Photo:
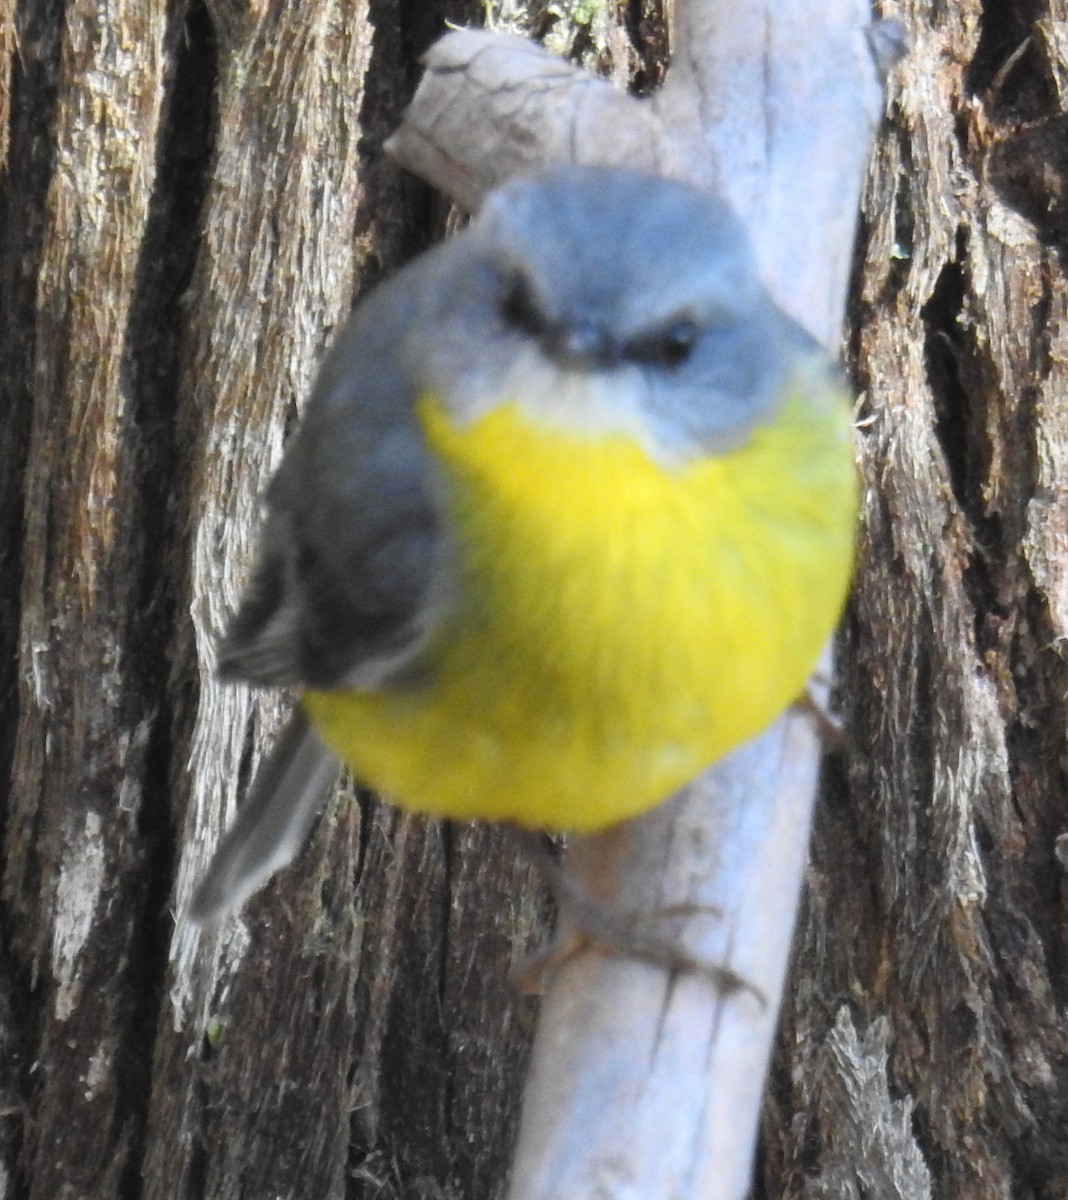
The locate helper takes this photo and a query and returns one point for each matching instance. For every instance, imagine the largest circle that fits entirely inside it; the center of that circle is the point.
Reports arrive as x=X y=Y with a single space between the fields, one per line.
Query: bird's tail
x=272 y=824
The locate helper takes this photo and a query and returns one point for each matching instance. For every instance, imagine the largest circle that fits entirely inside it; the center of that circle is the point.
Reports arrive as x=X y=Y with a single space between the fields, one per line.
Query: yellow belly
x=622 y=625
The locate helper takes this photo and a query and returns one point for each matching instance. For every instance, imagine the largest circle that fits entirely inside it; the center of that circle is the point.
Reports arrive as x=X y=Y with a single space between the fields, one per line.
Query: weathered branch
x=644 y=1083
x=491 y=106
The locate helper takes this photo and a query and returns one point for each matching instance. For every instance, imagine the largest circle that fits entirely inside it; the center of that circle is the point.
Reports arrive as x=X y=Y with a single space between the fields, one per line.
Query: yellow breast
x=622 y=624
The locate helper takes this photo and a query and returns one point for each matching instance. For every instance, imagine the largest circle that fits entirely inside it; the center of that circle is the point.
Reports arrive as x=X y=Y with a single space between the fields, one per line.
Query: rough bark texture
x=188 y=199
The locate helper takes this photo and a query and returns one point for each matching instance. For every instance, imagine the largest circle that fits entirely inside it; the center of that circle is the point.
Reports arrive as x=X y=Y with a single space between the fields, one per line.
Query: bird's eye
x=519 y=307
x=667 y=347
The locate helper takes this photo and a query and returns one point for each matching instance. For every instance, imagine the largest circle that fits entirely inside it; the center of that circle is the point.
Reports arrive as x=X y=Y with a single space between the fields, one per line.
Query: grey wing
x=346 y=587
x=349 y=572
x=342 y=592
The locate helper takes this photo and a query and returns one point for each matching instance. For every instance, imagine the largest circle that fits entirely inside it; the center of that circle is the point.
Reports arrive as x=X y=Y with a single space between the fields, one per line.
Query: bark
x=188 y=200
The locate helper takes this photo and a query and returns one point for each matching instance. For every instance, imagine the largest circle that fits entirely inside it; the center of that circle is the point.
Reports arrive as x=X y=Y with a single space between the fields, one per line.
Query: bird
x=569 y=515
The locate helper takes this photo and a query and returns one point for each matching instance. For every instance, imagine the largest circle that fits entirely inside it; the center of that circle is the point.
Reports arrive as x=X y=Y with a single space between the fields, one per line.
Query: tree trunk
x=190 y=197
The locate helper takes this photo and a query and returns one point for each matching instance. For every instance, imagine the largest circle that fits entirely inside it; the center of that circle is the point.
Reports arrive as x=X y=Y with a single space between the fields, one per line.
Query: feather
x=272 y=824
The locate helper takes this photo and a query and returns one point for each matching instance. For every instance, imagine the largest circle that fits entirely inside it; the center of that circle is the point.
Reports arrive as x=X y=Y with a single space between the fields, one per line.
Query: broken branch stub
x=492 y=106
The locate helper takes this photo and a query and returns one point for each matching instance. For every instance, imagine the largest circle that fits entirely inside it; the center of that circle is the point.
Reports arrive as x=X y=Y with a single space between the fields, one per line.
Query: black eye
x=519 y=307
x=667 y=347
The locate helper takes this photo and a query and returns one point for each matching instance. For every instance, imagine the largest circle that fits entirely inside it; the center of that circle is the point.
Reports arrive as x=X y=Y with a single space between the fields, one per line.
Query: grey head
x=644 y=284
